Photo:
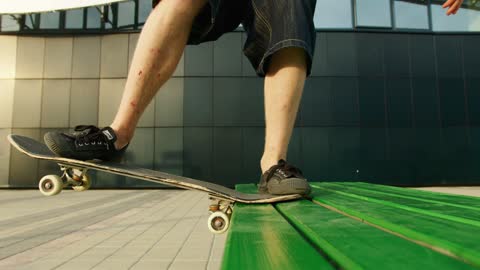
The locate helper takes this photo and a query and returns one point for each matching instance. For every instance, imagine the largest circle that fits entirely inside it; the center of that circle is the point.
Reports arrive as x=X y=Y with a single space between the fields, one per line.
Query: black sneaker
x=283 y=178
x=85 y=143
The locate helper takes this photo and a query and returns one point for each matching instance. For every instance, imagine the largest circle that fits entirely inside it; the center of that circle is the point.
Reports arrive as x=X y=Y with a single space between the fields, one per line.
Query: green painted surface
x=455 y=237
x=356 y=245
x=467 y=202
x=450 y=211
x=260 y=238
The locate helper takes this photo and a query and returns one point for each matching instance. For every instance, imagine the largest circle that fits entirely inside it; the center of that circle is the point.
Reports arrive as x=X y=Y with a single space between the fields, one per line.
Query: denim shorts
x=270 y=25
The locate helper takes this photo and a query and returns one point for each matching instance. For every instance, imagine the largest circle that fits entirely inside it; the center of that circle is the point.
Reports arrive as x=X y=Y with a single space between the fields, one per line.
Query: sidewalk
x=107 y=229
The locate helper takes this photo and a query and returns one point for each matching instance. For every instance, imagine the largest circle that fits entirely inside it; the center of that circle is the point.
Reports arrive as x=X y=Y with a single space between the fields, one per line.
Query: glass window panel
x=411 y=14
x=50 y=20
x=374 y=13
x=109 y=21
x=9 y=23
x=144 y=9
x=93 y=18
x=333 y=14
x=74 y=18
x=126 y=14
x=31 y=20
x=466 y=19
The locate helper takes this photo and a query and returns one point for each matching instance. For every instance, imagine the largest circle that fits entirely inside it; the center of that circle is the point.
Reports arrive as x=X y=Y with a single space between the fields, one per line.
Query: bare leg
x=159 y=48
x=284 y=83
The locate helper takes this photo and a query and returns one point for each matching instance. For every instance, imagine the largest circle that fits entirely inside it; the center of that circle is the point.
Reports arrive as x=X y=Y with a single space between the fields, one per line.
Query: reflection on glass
x=333 y=14
x=412 y=14
x=9 y=23
x=74 y=18
x=30 y=21
x=145 y=6
x=466 y=19
x=50 y=20
x=374 y=13
x=93 y=18
x=126 y=14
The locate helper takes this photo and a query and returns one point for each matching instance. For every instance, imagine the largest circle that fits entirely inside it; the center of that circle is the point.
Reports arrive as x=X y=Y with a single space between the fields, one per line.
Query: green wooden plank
x=459 y=239
x=449 y=211
x=260 y=238
x=351 y=243
x=469 y=201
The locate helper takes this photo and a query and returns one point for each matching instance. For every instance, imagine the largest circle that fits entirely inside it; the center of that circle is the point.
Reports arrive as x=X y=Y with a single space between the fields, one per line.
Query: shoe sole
x=290 y=186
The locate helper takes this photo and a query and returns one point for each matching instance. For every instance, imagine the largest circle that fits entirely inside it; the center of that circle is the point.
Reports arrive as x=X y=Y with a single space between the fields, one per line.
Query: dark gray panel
x=397 y=60
x=344 y=156
x=449 y=56
x=401 y=164
x=295 y=154
x=474 y=156
x=316 y=153
x=253 y=144
x=199 y=60
x=344 y=93
x=198 y=153
x=455 y=163
x=316 y=105
x=473 y=100
x=197 y=102
x=253 y=102
x=428 y=156
x=425 y=102
x=169 y=150
x=341 y=57
x=373 y=162
x=399 y=103
x=422 y=55
x=141 y=152
x=372 y=102
x=227 y=156
x=471 y=55
x=452 y=102
x=370 y=53
x=227 y=55
x=319 y=64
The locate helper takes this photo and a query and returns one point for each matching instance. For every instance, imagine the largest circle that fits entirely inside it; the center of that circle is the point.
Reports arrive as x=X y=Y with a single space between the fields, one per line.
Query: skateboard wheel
x=218 y=222
x=50 y=185
x=86 y=183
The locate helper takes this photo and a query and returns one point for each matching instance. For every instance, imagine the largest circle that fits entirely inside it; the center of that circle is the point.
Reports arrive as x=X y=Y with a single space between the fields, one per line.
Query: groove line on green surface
x=333 y=255
x=404 y=207
x=458 y=252
x=405 y=196
x=418 y=242
x=329 y=252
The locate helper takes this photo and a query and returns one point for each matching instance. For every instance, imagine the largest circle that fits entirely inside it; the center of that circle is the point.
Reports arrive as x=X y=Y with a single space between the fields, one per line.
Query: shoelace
x=285 y=169
x=93 y=137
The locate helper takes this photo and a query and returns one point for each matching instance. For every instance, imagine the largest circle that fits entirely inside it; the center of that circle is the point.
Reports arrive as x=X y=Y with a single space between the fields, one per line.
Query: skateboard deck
x=74 y=174
x=29 y=6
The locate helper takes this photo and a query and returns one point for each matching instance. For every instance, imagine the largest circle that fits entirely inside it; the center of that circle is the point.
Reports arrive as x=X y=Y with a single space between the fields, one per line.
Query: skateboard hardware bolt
x=214 y=207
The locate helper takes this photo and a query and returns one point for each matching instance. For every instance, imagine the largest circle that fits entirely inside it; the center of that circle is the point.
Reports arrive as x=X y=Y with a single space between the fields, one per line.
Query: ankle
x=124 y=136
x=268 y=161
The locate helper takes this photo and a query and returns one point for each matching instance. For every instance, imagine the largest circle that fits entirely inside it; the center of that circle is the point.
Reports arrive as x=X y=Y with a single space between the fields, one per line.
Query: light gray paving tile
x=30 y=57
x=8 y=57
x=55 y=103
x=114 y=56
x=84 y=102
x=149 y=265
x=188 y=265
x=110 y=96
x=86 y=57
x=6 y=102
x=58 y=57
x=214 y=265
x=169 y=104
x=27 y=104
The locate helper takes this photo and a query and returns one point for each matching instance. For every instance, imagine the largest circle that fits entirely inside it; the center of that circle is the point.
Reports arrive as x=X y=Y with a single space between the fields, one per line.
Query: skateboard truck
x=75 y=177
x=221 y=212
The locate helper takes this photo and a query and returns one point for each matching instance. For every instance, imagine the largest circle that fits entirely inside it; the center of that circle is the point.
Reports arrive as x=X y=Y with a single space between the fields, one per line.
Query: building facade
x=394 y=95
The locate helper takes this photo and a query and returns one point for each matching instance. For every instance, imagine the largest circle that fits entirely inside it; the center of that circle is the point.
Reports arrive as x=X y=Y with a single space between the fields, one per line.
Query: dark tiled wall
x=398 y=109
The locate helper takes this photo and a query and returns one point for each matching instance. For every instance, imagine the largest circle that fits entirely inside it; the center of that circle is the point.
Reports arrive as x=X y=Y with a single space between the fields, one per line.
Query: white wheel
x=218 y=222
x=85 y=185
x=50 y=185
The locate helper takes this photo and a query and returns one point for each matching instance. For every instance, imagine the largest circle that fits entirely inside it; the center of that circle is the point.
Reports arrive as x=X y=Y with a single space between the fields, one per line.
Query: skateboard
x=74 y=174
